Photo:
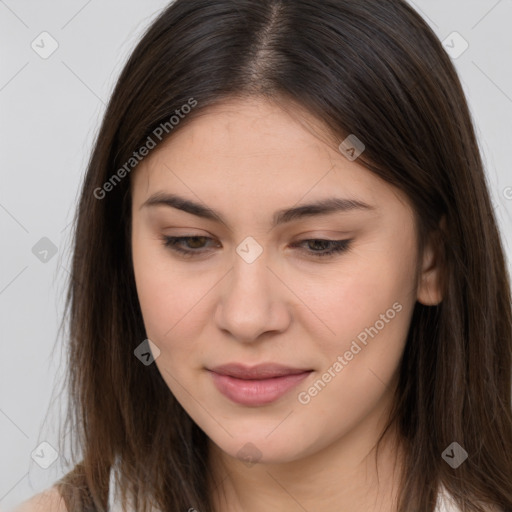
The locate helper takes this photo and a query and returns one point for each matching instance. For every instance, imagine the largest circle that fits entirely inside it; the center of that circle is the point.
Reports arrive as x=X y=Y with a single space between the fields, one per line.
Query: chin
x=256 y=446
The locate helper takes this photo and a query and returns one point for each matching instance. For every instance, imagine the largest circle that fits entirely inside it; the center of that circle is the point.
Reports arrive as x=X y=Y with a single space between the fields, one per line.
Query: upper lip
x=260 y=371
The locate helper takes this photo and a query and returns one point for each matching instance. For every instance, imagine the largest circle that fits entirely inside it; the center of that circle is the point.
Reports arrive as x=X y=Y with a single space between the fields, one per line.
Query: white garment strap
x=112 y=491
x=114 y=494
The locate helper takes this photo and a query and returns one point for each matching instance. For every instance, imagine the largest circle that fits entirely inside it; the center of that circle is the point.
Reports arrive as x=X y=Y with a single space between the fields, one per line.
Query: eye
x=190 y=246
x=330 y=247
x=174 y=243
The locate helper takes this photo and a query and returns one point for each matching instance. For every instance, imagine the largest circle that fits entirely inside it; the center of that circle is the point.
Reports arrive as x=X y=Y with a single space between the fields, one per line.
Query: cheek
x=164 y=309
x=173 y=300
x=370 y=310
x=157 y=285
x=353 y=296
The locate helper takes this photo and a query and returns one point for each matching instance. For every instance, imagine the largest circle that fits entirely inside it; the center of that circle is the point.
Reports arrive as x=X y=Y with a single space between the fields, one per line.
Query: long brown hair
x=374 y=69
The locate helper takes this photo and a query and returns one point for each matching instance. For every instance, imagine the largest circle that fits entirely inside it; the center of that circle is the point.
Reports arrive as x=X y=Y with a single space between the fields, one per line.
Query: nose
x=252 y=301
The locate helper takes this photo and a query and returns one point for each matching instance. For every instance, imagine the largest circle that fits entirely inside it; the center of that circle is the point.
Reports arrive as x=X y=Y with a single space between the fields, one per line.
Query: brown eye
x=193 y=244
x=323 y=248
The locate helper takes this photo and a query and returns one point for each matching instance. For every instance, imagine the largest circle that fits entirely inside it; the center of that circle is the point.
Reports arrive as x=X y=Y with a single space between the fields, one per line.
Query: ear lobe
x=430 y=278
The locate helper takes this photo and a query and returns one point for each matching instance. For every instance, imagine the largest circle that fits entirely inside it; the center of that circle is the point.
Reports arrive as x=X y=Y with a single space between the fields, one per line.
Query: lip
x=256 y=385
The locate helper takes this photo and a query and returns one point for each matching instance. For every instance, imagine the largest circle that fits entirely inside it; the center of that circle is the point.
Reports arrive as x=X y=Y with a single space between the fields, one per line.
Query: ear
x=430 y=276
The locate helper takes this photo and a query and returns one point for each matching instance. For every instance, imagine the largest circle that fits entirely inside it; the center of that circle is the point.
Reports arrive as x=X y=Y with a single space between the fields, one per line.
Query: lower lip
x=256 y=392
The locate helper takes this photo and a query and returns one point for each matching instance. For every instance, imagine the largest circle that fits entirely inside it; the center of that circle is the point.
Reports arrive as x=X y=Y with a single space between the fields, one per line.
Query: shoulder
x=46 y=501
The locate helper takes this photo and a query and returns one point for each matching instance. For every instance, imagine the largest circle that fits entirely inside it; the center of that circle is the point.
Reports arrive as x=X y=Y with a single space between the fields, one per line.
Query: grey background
x=50 y=110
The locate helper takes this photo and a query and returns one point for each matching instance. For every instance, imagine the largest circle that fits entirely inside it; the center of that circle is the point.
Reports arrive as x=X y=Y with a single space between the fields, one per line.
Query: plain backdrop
x=50 y=110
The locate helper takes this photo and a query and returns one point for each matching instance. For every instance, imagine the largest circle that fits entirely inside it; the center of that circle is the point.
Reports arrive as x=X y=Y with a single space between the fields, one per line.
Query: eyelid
x=319 y=234
x=333 y=234
x=337 y=247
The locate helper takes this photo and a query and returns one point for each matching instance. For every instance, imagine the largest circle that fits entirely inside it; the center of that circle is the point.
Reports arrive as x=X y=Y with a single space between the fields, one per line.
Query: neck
x=345 y=476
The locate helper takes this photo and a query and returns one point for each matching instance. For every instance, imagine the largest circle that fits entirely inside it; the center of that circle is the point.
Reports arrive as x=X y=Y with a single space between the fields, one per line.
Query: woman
x=288 y=288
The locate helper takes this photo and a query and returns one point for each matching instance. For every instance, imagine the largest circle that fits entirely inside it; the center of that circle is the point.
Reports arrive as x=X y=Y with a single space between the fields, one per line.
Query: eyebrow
x=321 y=207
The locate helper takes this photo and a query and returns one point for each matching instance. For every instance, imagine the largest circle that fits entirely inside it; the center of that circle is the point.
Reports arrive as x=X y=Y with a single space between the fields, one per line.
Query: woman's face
x=255 y=289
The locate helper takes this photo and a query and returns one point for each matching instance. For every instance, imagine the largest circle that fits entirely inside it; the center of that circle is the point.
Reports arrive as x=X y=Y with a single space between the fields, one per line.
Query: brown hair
x=374 y=69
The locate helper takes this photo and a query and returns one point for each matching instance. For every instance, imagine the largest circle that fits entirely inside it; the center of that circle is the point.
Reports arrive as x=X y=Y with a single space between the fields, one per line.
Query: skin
x=247 y=159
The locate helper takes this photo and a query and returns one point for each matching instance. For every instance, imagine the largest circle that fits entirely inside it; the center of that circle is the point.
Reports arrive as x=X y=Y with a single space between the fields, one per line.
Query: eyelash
x=338 y=246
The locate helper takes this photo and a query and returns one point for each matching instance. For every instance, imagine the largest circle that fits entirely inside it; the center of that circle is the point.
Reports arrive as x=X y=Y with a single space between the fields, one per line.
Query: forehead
x=244 y=151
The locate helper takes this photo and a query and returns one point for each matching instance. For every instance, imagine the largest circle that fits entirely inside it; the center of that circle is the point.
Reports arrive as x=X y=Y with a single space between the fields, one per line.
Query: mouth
x=256 y=385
